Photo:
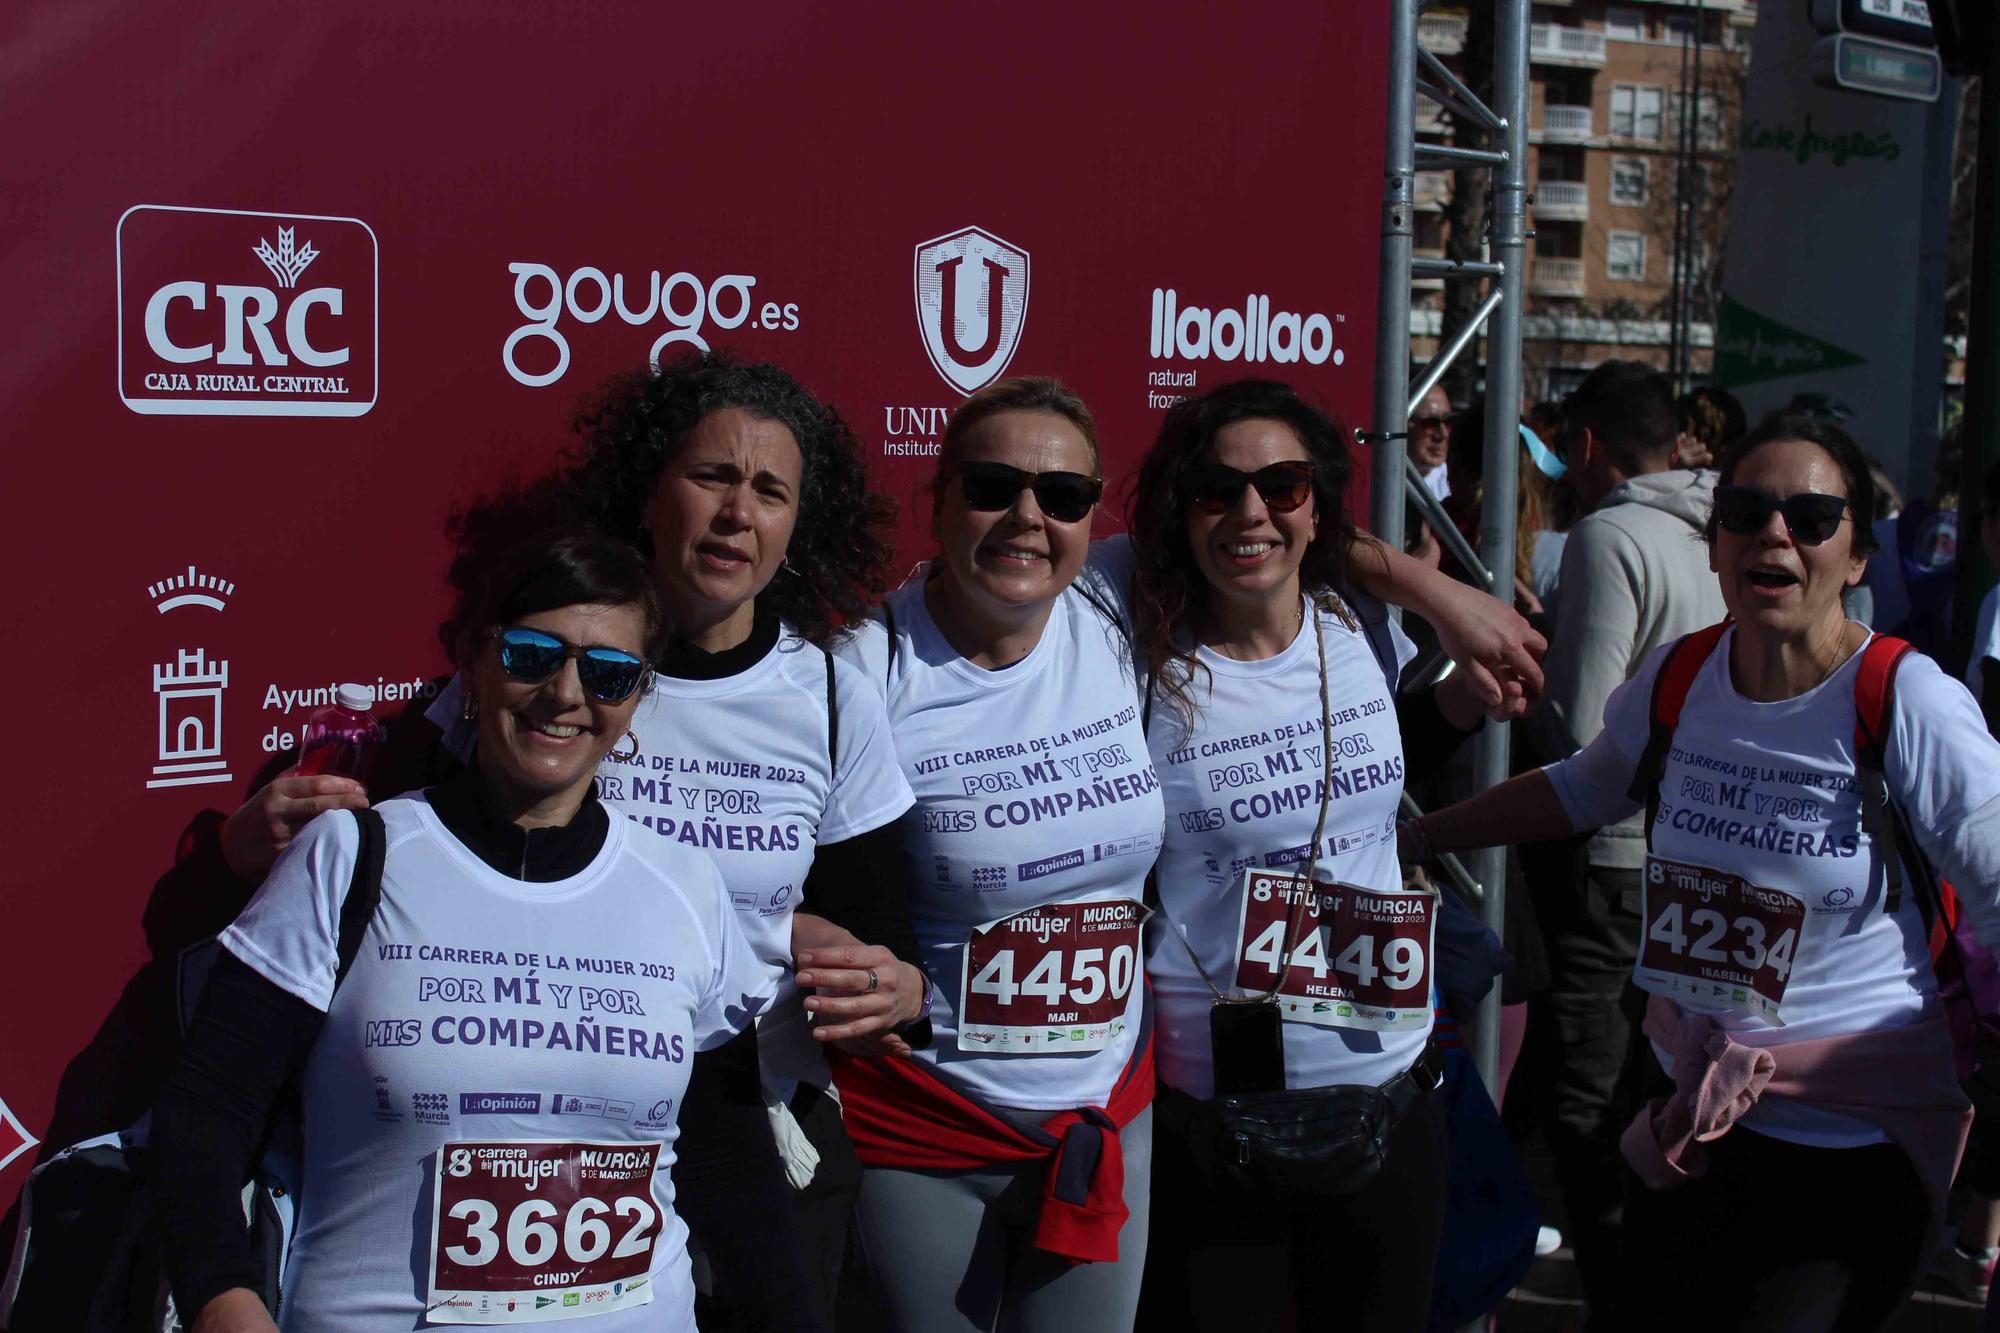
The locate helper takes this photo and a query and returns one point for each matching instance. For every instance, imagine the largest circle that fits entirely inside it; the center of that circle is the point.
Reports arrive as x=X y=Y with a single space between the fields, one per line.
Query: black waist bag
x=1298 y=1143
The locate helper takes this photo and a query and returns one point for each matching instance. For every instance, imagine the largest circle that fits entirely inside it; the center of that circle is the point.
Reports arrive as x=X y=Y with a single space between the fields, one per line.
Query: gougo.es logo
x=687 y=306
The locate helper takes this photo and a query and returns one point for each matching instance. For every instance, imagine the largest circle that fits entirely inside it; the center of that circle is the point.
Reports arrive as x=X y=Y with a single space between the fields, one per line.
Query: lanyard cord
x=1292 y=923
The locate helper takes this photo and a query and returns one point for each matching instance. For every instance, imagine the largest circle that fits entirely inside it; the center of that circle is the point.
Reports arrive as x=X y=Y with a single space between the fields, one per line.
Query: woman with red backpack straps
x=1807 y=783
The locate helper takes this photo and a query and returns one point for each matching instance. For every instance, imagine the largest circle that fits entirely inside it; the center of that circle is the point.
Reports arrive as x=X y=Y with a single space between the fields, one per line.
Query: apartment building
x=1607 y=160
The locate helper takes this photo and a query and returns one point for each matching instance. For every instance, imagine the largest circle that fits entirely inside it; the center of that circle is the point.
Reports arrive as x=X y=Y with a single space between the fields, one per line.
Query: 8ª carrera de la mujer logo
x=972 y=302
x=224 y=313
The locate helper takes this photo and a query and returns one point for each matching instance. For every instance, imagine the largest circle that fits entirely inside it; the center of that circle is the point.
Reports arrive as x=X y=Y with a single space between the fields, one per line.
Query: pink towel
x=1899 y=1079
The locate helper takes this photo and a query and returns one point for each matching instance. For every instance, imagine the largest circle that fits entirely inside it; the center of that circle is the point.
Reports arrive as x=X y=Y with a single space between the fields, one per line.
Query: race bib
x=1716 y=943
x=1050 y=979
x=1360 y=958
x=528 y=1230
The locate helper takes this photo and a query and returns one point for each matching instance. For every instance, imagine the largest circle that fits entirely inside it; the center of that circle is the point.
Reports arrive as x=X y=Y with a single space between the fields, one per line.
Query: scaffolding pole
x=1393 y=479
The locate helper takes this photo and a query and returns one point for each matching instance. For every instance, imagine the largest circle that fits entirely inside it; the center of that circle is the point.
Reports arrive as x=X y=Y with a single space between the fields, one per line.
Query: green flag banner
x=1751 y=348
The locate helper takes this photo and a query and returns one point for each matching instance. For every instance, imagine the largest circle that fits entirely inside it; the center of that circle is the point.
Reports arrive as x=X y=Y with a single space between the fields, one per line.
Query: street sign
x=1906 y=21
x=1887 y=69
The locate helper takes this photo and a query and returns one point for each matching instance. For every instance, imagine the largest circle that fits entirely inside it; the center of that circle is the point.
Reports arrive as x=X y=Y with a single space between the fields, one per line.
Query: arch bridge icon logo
x=972 y=303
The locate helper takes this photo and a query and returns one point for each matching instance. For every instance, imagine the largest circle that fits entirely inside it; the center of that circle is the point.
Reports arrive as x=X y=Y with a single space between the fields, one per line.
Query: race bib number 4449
x=1050 y=979
x=1359 y=958
x=531 y=1230
x=1716 y=943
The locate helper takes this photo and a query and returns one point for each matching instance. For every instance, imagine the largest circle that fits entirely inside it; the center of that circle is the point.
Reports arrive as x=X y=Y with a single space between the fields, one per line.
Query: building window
x=1624 y=25
x=1625 y=256
x=1628 y=181
x=1637 y=112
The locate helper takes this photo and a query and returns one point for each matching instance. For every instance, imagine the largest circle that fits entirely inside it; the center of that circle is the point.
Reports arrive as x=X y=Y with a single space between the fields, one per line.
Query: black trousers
x=1777 y=1236
x=823 y=1211
x=1590 y=1022
x=1360 y=1264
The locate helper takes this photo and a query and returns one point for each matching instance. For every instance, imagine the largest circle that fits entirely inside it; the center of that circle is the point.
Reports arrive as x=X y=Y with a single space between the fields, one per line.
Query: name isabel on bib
x=1715 y=942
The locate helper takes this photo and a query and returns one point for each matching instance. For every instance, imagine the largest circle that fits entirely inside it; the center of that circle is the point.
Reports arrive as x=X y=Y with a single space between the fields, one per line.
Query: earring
x=468 y=711
x=627 y=756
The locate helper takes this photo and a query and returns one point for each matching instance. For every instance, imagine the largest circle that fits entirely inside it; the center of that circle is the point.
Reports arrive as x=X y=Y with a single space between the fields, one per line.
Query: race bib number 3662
x=1360 y=958
x=1716 y=943
x=1050 y=979
x=531 y=1230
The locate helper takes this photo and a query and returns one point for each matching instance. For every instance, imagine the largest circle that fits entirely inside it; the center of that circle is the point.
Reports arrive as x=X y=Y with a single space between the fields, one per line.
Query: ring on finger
x=873 y=981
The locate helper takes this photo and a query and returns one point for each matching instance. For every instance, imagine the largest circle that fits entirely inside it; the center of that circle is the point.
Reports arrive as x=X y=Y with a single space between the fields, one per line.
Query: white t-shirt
x=1767 y=791
x=1985 y=642
x=1033 y=788
x=1243 y=790
x=738 y=768
x=485 y=1008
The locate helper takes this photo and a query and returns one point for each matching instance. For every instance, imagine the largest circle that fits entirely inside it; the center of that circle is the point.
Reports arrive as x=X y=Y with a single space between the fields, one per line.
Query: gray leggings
x=951 y=1251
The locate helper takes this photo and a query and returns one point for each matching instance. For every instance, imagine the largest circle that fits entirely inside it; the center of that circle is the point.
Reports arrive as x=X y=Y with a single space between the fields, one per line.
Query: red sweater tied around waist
x=899 y=1113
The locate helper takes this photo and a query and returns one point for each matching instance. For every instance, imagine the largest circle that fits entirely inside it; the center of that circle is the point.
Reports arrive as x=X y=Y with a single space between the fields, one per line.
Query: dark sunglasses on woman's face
x=532 y=656
x=1066 y=497
x=1283 y=487
x=1810 y=517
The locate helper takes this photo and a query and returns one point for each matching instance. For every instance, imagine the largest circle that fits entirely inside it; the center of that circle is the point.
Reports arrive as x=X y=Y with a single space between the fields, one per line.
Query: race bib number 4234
x=1359 y=958
x=1715 y=942
x=1050 y=979
x=531 y=1230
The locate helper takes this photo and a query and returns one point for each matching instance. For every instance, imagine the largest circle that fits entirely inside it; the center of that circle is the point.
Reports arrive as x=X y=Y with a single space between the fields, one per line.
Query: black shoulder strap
x=832 y=720
x=364 y=891
x=889 y=669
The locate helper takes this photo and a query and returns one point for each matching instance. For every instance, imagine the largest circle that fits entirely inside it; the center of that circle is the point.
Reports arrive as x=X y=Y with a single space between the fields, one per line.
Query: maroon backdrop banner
x=284 y=283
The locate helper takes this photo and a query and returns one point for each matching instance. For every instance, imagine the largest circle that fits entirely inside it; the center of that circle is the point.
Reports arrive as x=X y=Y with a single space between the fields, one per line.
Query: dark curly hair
x=1168 y=587
x=517 y=552
x=838 y=560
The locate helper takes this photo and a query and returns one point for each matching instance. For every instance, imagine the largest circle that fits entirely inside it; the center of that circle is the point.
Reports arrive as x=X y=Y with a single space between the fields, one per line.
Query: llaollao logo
x=972 y=303
x=227 y=313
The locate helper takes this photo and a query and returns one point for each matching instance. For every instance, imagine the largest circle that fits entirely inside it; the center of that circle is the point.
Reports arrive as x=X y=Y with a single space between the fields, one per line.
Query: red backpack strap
x=1875 y=697
x=1670 y=691
x=1874 y=716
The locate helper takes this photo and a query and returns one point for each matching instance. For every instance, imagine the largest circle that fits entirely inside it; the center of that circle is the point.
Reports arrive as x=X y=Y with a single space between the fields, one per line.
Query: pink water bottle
x=340 y=738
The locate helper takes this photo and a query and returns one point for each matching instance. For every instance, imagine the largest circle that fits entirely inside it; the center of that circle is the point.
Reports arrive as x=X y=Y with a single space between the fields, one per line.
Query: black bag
x=85 y=1258
x=1300 y=1143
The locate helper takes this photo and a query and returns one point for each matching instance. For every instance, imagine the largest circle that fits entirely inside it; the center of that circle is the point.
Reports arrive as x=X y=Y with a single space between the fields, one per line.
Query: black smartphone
x=1247 y=1045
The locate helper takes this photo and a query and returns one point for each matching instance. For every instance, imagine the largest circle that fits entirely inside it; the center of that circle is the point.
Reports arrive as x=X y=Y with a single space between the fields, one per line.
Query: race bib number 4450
x=1360 y=958
x=1715 y=942
x=531 y=1230
x=1050 y=979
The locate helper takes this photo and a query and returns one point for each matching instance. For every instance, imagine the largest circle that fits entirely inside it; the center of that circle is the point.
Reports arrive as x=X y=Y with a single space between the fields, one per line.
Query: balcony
x=1566 y=124
x=1553 y=44
x=1556 y=277
x=1562 y=201
x=1430 y=116
x=1430 y=191
x=1441 y=34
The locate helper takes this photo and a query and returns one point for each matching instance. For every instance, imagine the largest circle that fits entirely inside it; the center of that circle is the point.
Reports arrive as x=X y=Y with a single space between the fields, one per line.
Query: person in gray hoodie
x=1635 y=575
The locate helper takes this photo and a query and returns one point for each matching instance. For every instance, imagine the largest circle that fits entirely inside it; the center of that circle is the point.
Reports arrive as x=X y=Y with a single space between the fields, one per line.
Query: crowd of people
x=1043 y=937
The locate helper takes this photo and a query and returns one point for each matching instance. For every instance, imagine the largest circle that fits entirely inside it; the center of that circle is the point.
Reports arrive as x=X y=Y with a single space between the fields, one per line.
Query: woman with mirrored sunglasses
x=523 y=940
x=753 y=745
x=1287 y=962
x=1807 y=784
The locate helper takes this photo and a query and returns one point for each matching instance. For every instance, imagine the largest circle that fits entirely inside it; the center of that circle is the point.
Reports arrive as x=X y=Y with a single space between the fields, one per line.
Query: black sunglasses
x=531 y=656
x=1283 y=487
x=1066 y=497
x=1810 y=517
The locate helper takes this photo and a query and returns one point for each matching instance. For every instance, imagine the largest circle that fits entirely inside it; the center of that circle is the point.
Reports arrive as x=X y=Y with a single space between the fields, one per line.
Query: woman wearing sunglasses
x=1290 y=970
x=524 y=941
x=1806 y=783
x=1007 y=1168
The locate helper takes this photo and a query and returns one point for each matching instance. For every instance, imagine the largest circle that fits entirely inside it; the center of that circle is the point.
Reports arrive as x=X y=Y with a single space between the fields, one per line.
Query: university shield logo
x=972 y=302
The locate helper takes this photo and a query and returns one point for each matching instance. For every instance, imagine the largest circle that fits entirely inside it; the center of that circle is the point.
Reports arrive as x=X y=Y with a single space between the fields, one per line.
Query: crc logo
x=225 y=313
x=972 y=302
